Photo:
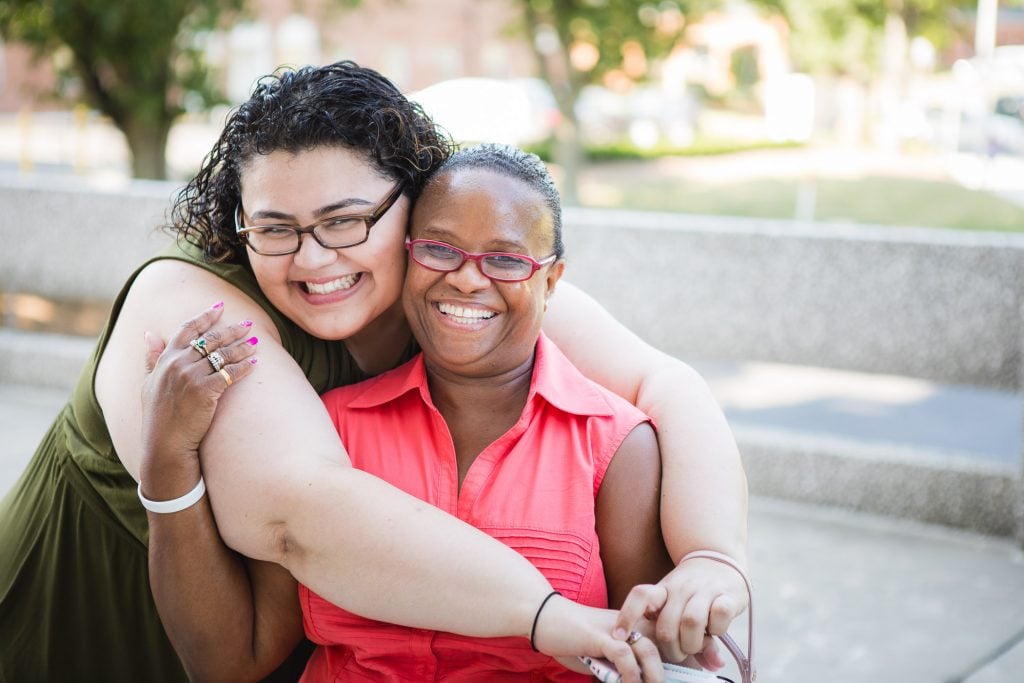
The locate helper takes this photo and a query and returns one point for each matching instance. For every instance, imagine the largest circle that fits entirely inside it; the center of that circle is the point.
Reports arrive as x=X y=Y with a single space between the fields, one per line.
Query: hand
x=695 y=601
x=566 y=629
x=180 y=395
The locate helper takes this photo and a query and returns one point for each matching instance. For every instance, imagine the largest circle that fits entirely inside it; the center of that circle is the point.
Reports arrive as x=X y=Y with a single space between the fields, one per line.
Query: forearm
x=202 y=589
x=380 y=553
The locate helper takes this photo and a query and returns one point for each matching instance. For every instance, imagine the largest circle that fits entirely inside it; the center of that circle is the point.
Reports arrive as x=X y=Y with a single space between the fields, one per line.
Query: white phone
x=605 y=672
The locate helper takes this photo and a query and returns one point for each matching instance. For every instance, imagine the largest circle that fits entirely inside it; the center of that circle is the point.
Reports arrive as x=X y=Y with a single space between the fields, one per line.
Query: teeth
x=464 y=315
x=333 y=285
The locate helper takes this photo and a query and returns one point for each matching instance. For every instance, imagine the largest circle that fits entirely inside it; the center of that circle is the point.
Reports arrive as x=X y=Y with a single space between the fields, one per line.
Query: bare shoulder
x=165 y=294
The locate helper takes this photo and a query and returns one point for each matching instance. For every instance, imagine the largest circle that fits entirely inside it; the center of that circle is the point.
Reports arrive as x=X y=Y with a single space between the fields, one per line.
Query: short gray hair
x=515 y=163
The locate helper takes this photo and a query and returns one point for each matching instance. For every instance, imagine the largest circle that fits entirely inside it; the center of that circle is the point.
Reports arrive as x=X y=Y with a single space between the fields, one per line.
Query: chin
x=327 y=332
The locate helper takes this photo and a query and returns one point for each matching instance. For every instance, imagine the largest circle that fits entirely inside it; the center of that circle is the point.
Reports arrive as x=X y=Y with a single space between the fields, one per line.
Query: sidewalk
x=841 y=597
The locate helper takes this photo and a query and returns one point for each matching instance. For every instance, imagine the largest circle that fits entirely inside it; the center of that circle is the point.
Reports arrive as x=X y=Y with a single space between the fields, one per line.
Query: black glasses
x=333 y=232
x=497 y=265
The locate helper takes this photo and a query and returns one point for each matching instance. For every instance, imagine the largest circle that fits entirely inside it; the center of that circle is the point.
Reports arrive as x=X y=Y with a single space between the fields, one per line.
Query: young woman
x=310 y=145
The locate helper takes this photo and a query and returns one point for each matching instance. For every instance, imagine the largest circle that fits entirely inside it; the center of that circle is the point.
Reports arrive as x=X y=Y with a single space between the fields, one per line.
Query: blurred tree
x=850 y=36
x=579 y=42
x=136 y=61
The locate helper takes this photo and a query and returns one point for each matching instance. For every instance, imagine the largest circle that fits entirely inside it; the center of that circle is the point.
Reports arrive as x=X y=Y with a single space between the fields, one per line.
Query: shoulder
x=167 y=291
x=565 y=386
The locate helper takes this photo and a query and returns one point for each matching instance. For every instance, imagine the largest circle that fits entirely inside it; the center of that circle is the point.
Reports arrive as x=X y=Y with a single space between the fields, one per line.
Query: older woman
x=492 y=424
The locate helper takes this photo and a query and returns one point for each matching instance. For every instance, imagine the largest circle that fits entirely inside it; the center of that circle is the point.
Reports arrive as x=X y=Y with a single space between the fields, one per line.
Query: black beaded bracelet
x=536 y=617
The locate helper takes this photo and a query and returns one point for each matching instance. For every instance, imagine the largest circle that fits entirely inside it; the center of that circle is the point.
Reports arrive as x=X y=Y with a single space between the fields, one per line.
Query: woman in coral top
x=492 y=424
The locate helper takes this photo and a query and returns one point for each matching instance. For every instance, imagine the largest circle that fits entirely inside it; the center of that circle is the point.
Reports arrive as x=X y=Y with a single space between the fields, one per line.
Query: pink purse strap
x=745 y=663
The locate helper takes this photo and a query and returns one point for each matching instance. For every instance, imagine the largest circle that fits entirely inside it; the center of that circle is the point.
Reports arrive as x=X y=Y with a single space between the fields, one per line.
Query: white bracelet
x=176 y=505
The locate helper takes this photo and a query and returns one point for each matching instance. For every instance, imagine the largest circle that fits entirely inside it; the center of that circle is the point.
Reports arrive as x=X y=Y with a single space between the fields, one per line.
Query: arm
x=632 y=551
x=704 y=493
x=229 y=619
x=282 y=491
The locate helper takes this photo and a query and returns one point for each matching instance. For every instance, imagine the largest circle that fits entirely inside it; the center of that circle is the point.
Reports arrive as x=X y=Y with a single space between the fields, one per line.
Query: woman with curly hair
x=326 y=162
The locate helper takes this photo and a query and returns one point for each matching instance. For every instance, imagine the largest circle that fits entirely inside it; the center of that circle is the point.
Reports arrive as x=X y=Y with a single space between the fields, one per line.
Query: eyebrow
x=442 y=235
x=318 y=213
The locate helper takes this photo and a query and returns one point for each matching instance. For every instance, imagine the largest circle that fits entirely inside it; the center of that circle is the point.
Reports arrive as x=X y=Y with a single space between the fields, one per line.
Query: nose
x=468 y=277
x=311 y=255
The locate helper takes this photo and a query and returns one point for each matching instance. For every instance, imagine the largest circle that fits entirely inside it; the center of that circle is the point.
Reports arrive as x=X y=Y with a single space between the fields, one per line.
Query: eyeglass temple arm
x=748 y=672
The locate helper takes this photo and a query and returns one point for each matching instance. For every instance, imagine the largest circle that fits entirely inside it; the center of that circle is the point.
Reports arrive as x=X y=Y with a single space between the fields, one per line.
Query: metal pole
x=985 y=28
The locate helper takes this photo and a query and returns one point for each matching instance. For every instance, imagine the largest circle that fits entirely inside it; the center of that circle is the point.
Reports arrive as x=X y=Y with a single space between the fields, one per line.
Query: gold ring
x=226 y=375
x=633 y=637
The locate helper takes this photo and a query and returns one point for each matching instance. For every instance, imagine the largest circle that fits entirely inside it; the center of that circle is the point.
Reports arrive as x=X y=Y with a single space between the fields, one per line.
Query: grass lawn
x=871 y=199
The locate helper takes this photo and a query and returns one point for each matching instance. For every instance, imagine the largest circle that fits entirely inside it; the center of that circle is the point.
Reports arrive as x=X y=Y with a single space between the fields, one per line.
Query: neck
x=502 y=395
x=378 y=347
x=478 y=410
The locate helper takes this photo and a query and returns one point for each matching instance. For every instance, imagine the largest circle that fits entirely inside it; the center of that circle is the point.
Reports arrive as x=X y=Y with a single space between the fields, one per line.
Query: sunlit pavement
x=839 y=596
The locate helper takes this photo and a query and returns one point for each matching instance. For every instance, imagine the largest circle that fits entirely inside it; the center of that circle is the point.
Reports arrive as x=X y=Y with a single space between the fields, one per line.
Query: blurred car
x=514 y=111
x=1001 y=131
x=1012 y=106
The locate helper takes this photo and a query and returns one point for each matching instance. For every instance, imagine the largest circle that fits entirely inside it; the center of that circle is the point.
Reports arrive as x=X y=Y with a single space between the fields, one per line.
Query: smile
x=332 y=286
x=463 y=314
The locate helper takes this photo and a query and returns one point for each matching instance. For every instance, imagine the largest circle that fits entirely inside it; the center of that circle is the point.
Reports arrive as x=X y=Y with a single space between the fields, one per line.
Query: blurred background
x=819 y=204
x=907 y=112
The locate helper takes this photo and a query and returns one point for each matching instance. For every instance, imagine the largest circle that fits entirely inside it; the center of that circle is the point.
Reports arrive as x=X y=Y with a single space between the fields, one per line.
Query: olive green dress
x=75 y=602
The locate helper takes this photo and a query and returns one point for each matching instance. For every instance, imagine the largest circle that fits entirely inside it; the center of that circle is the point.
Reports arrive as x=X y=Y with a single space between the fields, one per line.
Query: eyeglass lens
x=333 y=233
x=506 y=267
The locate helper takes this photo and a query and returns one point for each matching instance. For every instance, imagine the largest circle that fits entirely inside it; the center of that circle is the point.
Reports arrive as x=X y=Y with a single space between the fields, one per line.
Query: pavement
x=840 y=596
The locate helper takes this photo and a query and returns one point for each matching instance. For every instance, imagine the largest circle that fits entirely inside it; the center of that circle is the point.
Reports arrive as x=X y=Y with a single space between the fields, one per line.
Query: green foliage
x=625 y=150
x=607 y=25
x=845 y=36
x=134 y=60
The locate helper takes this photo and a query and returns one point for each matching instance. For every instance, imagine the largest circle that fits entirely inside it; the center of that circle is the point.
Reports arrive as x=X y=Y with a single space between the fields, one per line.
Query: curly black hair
x=514 y=163
x=341 y=104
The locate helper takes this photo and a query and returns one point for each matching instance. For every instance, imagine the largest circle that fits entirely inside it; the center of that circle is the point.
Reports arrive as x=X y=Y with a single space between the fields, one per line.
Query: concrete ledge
x=935 y=304
x=76 y=240
x=953 y=489
x=42 y=360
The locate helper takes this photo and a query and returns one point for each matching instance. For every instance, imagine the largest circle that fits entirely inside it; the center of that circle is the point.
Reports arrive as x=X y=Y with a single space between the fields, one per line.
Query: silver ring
x=633 y=637
x=216 y=360
x=199 y=344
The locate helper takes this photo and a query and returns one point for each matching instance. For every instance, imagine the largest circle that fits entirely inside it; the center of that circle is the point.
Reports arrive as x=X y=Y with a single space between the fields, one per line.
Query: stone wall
x=933 y=304
x=70 y=240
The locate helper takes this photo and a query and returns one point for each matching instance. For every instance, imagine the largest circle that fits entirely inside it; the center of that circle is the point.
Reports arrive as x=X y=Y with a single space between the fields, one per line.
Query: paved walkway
x=841 y=597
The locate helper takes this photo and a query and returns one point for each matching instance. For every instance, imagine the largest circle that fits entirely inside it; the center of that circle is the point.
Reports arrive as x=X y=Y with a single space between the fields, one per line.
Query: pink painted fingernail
x=253 y=341
x=619 y=634
x=219 y=304
x=246 y=323
x=252 y=361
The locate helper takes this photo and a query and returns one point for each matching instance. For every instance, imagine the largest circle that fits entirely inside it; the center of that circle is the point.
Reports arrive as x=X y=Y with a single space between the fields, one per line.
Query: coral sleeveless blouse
x=534 y=489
